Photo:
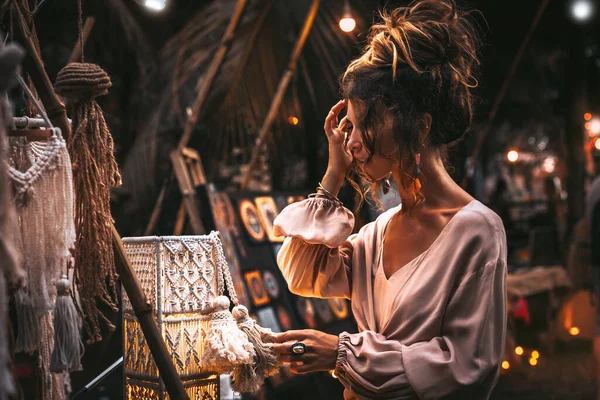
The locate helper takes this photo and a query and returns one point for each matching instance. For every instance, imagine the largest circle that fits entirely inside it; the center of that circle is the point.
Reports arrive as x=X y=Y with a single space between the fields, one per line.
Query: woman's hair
x=419 y=59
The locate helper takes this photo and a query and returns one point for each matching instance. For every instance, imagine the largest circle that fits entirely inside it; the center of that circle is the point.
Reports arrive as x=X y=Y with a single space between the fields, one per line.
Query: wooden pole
x=505 y=85
x=278 y=98
x=143 y=309
x=240 y=69
x=85 y=34
x=207 y=79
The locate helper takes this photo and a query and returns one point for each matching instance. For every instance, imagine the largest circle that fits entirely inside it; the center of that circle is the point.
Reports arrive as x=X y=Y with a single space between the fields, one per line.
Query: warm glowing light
x=587 y=116
x=597 y=144
x=512 y=156
x=582 y=10
x=594 y=126
x=156 y=5
x=535 y=354
x=347 y=24
x=505 y=365
x=293 y=120
x=518 y=350
x=574 y=331
x=587 y=125
x=332 y=372
x=533 y=362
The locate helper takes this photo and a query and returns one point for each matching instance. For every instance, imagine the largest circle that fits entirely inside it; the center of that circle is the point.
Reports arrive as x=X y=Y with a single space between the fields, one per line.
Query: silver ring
x=297 y=349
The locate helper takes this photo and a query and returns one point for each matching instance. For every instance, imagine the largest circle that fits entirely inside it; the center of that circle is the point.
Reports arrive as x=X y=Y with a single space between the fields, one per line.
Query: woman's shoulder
x=478 y=224
x=479 y=219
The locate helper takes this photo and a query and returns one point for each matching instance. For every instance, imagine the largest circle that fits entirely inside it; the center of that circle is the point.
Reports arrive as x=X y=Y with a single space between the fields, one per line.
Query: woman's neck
x=437 y=186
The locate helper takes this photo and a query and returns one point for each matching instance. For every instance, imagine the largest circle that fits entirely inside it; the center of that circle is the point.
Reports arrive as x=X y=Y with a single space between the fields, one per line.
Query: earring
x=386 y=185
x=417 y=182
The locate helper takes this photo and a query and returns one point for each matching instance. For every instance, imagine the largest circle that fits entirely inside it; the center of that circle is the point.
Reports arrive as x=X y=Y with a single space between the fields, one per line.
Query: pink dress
x=435 y=329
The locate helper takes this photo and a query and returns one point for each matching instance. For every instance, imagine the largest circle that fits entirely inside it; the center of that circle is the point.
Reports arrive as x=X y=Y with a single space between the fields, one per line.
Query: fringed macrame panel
x=179 y=275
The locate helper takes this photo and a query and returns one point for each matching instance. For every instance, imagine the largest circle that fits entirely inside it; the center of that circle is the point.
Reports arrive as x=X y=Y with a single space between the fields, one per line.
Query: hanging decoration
x=42 y=189
x=92 y=153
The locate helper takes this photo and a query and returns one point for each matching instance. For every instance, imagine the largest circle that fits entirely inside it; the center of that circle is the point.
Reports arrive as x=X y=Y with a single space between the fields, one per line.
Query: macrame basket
x=180 y=276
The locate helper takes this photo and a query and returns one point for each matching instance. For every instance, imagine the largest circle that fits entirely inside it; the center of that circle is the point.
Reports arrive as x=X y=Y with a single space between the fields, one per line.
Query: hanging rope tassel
x=95 y=172
x=248 y=378
x=225 y=346
x=68 y=347
x=28 y=324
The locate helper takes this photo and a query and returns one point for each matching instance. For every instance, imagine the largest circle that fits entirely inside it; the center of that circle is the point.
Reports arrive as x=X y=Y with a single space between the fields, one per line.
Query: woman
x=427 y=279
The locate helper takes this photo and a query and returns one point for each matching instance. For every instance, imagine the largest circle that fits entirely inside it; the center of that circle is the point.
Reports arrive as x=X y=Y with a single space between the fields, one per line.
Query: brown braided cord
x=82 y=81
x=95 y=171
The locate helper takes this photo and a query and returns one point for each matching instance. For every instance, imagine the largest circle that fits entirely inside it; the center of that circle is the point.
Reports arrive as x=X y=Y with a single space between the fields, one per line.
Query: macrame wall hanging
x=185 y=278
x=11 y=273
x=43 y=192
x=95 y=173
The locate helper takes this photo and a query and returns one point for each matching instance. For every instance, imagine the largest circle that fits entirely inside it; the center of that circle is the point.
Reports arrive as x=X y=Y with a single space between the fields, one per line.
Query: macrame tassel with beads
x=225 y=346
x=248 y=378
x=68 y=347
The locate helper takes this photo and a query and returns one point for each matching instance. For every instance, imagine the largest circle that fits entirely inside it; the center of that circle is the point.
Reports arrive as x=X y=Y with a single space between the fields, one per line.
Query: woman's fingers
x=303 y=368
x=331 y=120
x=288 y=336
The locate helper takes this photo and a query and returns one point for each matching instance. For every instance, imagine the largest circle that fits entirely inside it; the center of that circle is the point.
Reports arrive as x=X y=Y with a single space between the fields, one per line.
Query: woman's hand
x=339 y=156
x=320 y=355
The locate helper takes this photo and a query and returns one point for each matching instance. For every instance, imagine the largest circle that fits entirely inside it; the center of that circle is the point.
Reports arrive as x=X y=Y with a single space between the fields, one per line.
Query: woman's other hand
x=320 y=354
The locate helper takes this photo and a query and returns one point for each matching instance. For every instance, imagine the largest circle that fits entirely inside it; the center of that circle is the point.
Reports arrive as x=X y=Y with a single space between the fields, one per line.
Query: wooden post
x=278 y=98
x=188 y=190
x=143 y=309
x=240 y=69
x=207 y=79
x=85 y=34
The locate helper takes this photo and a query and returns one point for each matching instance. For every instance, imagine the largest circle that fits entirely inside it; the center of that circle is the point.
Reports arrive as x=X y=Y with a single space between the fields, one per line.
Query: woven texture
x=82 y=80
x=179 y=275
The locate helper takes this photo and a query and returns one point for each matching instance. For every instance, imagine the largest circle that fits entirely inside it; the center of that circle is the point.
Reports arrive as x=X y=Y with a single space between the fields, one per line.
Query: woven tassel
x=248 y=378
x=68 y=347
x=225 y=346
x=28 y=333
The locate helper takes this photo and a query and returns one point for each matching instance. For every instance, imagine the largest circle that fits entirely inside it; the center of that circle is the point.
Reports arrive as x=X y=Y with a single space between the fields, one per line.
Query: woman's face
x=380 y=165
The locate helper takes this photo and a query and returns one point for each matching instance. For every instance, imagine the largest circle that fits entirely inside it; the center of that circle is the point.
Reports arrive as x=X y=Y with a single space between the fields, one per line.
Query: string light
x=533 y=362
x=535 y=354
x=595 y=126
x=574 y=331
x=293 y=120
x=332 y=372
x=587 y=116
x=505 y=365
x=597 y=144
x=512 y=156
x=347 y=23
x=519 y=350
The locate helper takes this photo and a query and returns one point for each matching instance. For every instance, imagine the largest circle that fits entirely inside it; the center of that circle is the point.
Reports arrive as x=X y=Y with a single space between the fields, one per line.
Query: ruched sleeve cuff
x=316 y=221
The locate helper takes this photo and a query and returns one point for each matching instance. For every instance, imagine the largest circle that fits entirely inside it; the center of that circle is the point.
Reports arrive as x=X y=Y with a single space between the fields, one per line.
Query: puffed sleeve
x=316 y=256
x=462 y=363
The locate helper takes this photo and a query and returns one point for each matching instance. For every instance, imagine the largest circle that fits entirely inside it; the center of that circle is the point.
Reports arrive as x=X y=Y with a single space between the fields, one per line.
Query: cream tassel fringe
x=225 y=346
x=68 y=347
x=248 y=378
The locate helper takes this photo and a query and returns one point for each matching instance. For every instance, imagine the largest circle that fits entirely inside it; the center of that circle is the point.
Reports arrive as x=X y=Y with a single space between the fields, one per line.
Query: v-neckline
x=421 y=255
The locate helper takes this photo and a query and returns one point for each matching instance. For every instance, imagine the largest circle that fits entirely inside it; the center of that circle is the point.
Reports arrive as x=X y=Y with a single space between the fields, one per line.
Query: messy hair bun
x=419 y=59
